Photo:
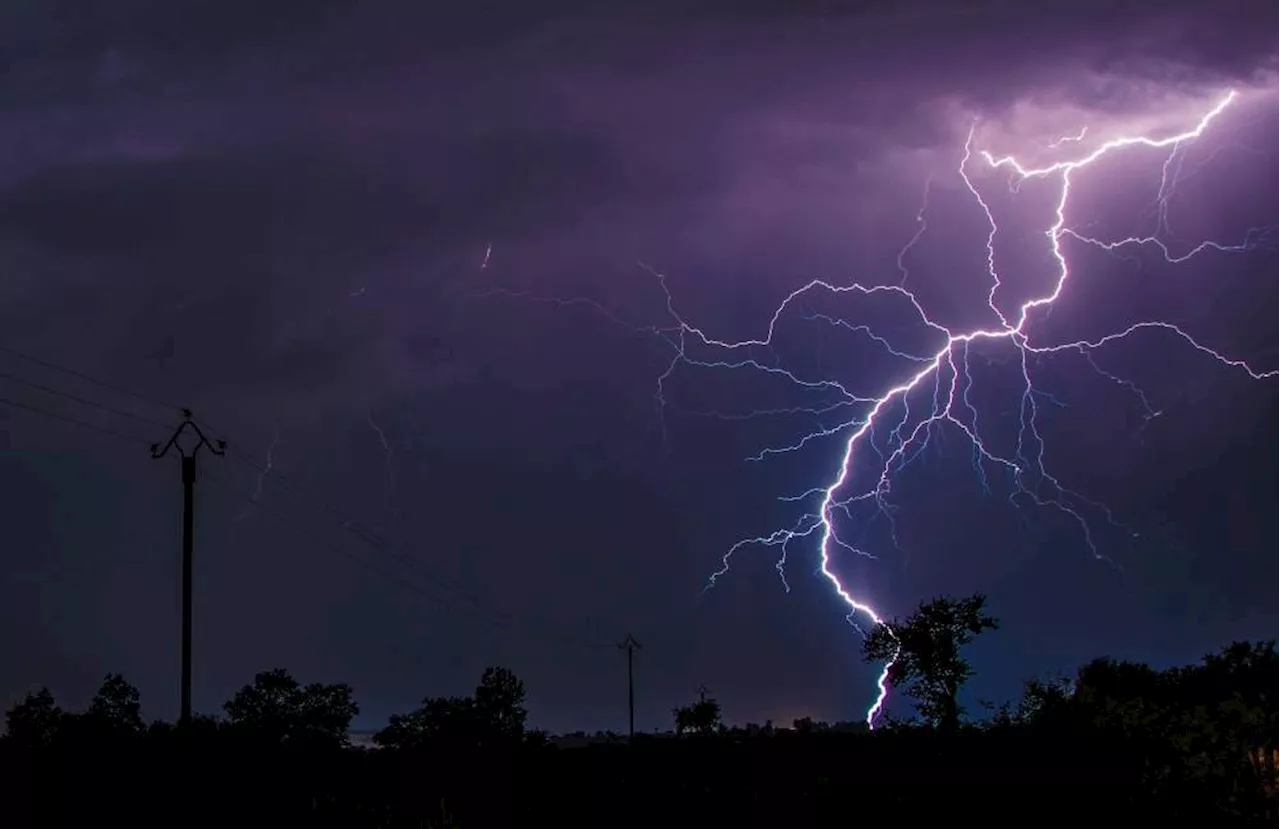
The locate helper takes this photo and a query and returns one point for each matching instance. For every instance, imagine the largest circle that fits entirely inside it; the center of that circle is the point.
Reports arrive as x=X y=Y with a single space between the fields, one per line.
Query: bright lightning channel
x=947 y=368
x=950 y=362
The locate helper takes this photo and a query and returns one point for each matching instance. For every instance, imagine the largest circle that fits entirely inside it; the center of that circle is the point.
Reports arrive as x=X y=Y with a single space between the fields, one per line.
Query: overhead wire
x=398 y=551
x=86 y=377
x=442 y=584
x=13 y=378
x=17 y=404
x=443 y=588
x=345 y=524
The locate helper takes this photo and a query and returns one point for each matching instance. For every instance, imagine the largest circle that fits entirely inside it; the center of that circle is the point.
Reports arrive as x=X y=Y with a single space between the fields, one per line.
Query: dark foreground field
x=1011 y=776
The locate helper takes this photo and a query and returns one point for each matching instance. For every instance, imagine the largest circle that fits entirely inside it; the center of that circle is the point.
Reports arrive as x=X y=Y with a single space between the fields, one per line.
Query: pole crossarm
x=217 y=447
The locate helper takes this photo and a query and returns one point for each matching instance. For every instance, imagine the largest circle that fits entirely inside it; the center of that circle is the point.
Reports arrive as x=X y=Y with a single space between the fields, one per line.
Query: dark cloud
x=293 y=205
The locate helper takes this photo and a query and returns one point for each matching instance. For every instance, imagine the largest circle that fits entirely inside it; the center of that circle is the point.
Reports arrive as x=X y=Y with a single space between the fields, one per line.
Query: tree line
x=277 y=710
x=1188 y=743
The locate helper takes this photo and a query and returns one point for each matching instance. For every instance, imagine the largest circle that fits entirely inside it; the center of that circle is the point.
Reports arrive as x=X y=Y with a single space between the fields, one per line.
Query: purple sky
x=281 y=223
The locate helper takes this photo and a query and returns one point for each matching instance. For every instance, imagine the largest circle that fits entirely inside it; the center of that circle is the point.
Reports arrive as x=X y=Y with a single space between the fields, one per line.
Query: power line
x=68 y=419
x=98 y=381
x=278 y=517
x=13 y=378
x=438 y=588
x=442 y=583
x=88 y=378
x=397 y=551
x=443 y=587
x=377 y=543
x=346 y=524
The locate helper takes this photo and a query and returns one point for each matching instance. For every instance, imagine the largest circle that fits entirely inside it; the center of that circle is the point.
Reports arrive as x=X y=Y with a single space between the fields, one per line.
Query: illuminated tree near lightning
x=895 y=425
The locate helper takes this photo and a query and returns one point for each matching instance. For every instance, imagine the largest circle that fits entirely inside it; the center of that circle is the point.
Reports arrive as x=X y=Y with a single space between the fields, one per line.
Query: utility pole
x=630 y=645
x=702 y=693
x=188 y=518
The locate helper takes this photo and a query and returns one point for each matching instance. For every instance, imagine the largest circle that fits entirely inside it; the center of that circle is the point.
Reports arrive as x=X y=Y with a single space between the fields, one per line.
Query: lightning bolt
x=267 y=466
x=892 y=427
x=921 y=227
x=1070 y=139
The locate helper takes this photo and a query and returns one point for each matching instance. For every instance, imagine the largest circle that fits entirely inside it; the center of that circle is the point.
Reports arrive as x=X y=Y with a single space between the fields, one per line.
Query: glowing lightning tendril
x=267 y=466
x=949 y=370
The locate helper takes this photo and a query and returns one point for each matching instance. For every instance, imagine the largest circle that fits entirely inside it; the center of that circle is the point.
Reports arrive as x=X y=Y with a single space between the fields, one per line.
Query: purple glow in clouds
x=949 y=368
x=896 y=424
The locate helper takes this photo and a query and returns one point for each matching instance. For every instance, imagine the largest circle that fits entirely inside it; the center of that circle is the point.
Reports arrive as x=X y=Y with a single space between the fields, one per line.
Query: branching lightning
x=892 y=426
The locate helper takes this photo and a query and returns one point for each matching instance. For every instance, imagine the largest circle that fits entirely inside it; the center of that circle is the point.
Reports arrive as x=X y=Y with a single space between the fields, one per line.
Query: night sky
x=406 y=262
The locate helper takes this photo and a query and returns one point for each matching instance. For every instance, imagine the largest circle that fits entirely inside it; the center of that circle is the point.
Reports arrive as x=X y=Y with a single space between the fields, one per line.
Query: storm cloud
x=309 y=203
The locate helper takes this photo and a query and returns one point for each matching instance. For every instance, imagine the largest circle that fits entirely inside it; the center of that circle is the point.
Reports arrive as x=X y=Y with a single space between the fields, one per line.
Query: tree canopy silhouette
x=925 y=649
x=276 y=708
x=499 y=700
x=116 y=709
x=1205 y=732
x=702 y=717
x=495 y=712
x=35 y=721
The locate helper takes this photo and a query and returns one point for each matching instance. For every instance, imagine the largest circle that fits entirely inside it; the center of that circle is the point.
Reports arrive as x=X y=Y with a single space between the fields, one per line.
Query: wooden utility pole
x=630 y=645
x=188 y=535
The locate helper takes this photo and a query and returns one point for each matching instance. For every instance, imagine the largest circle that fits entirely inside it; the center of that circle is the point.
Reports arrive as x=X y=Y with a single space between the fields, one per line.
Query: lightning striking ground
x=894 y=425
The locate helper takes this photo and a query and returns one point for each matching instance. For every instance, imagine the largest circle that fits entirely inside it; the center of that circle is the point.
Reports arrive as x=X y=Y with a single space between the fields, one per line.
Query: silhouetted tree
x=438 y=718
x=925 y=654
x=702 y=717
x=1241 y=679
x=35 y=721
x=1203 y=736
x=499 y=701
x=1044 y=702
x=276 y=708
x=495 y=712
x=1124 y=698
x=116 y=709
x=1221 y=727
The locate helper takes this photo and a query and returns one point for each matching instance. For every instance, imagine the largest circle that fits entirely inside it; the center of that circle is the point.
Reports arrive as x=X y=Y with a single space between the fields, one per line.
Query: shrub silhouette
x=702 y=717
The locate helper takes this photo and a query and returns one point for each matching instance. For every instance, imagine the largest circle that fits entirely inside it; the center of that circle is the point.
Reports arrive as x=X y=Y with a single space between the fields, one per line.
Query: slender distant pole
x=630 y=645
x=188 y=536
